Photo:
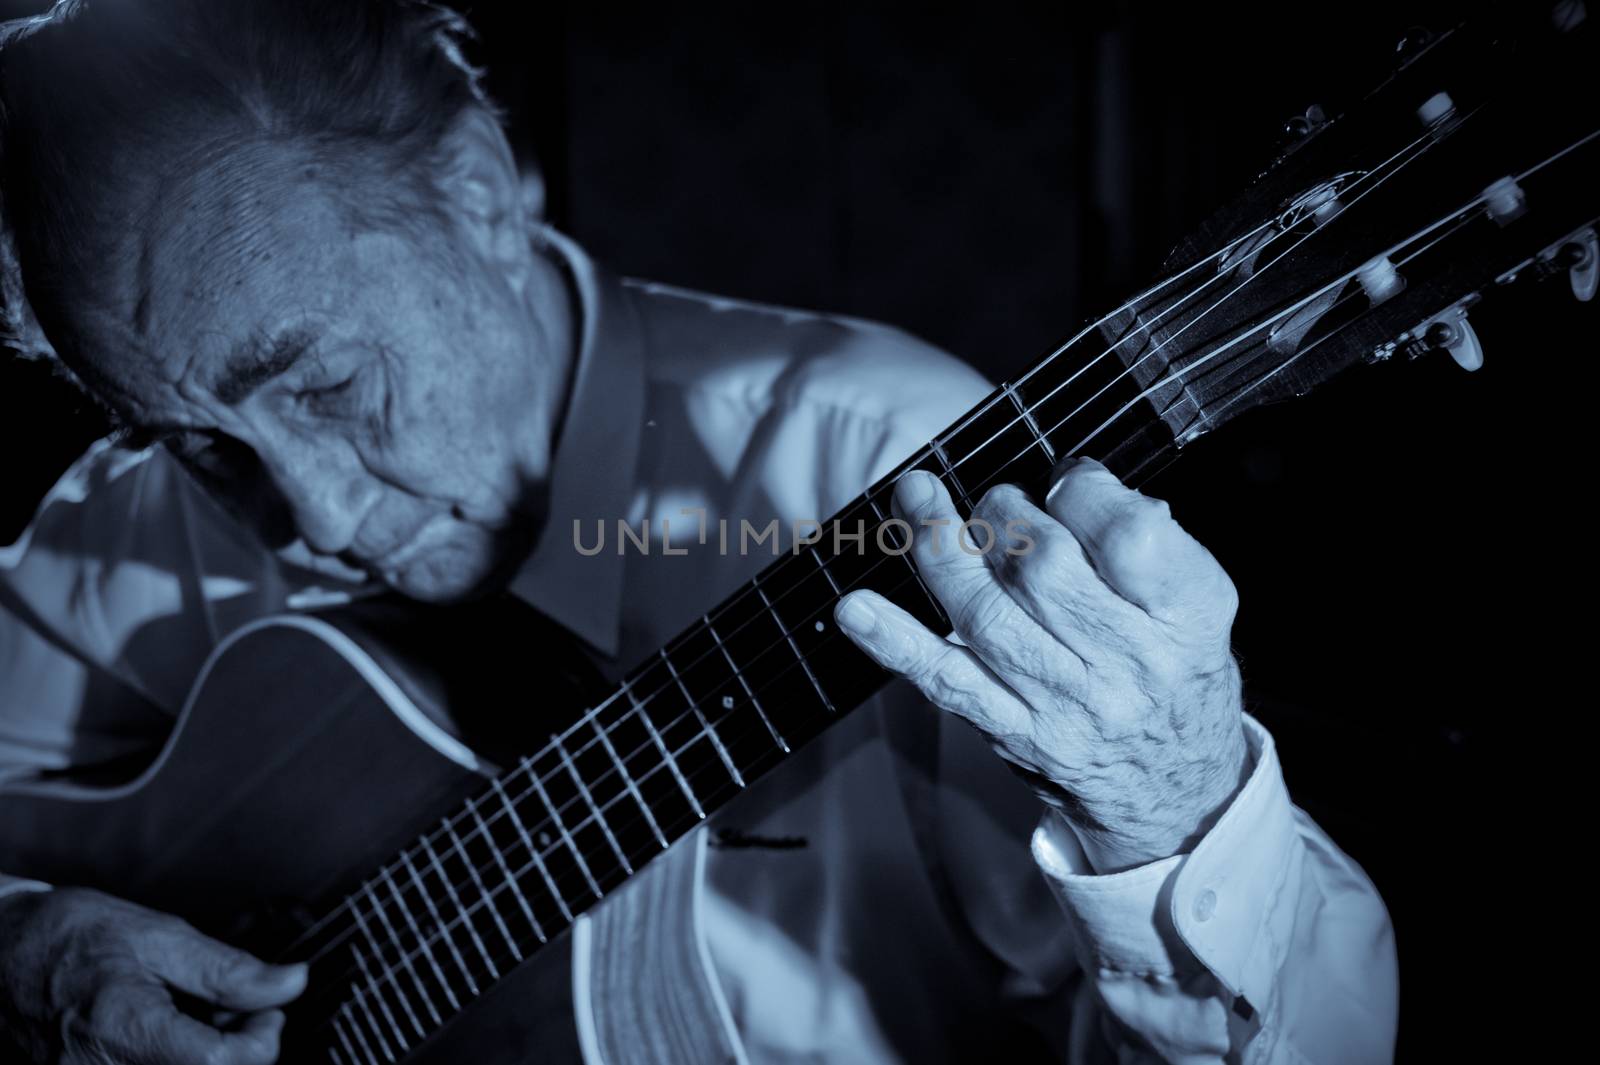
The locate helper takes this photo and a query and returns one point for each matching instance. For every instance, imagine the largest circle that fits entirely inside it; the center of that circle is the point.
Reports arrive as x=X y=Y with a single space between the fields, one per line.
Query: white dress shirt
x=879 y=898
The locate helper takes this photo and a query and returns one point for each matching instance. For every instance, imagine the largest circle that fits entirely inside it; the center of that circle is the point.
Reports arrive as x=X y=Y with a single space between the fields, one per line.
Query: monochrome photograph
x=840 y=534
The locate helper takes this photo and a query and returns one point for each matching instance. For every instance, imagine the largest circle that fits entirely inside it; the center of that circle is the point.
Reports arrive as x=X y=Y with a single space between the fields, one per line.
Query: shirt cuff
x=1228 y=905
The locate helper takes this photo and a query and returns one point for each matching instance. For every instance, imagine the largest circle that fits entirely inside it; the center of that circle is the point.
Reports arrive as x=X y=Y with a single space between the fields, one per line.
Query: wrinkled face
x=387 y=400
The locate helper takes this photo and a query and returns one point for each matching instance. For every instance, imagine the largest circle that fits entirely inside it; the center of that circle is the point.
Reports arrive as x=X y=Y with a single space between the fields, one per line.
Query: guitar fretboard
x=689 y=729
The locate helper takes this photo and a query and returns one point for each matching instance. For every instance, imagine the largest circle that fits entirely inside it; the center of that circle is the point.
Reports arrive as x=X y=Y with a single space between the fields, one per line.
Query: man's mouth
x=388 y=562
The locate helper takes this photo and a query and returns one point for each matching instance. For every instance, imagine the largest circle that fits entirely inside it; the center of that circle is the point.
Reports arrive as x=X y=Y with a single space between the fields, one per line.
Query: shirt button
x=1205 y=904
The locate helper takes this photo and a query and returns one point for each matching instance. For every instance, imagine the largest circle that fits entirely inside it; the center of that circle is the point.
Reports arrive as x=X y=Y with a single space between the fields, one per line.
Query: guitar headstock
x=1475 y=167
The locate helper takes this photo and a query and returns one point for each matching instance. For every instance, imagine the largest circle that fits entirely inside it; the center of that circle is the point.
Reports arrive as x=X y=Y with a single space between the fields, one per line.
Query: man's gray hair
x=103 y=101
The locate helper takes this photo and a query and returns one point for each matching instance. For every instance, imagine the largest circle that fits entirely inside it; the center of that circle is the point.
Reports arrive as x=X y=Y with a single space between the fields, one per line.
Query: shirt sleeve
x=1263 y=944
x=110 y=601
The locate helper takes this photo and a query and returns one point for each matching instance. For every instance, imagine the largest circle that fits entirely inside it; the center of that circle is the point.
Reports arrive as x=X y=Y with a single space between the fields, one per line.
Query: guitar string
x=1455 y=217
x=372 y=982
x=636 y=821
x=707 y=771
x=1424 y=141
x=696 y=775
x=1022 y=418
x=592 y=717
x=985 y=408
x=988 y=405
x=723 y=783
x=699 y=774
x=373 y=985
x=526 y=764
x=1460 y=220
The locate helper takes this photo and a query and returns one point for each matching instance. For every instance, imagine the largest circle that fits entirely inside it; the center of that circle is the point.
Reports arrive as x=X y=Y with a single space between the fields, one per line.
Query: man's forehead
x=235 y=256
x=215 y=236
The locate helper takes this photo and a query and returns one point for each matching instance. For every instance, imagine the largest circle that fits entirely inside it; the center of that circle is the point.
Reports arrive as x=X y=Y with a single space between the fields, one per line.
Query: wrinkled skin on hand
x=87 y=979
x=1095 y=659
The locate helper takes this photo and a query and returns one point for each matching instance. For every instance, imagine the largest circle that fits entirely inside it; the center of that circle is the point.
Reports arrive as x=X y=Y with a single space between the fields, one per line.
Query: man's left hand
x=1095 y=660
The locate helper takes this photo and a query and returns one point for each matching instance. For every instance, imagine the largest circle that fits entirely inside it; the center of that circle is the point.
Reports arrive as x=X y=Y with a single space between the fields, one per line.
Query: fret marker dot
x=821 y=626
x=727 y=702
x=544 y=839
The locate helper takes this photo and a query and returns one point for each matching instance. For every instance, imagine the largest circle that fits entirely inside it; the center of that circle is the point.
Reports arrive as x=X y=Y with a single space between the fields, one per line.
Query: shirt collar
x=593 y=469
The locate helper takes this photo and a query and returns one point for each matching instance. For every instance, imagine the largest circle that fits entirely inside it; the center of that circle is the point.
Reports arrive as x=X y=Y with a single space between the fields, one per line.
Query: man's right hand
x=86 y=979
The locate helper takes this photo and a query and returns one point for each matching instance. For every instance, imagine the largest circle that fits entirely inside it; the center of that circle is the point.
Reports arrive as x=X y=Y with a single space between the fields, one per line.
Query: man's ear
x=483 y=191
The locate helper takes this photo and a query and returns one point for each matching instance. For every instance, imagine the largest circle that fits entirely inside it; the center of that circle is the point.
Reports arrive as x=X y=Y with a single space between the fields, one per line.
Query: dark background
x=990 y=179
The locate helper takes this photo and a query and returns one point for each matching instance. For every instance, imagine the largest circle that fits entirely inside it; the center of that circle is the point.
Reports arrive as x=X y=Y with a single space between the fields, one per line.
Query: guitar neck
x=718 y=707
x=1369 y=238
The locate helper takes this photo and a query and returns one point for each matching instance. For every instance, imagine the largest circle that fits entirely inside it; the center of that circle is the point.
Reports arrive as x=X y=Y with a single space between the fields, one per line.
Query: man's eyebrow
x=253 y=363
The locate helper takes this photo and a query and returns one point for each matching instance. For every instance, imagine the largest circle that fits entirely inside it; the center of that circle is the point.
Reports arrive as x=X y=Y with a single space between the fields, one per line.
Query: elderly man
x=284 y=241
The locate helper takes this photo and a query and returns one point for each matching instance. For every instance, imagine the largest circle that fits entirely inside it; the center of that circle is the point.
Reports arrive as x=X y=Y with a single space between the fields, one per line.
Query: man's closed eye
x=328 y=400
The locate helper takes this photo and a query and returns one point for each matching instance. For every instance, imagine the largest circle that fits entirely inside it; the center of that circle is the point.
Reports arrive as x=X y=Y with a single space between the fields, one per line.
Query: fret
x=722 y=648
x=694 y=710
x=510 y=877
x=344 y=1041
x=1077 y=392
x=672 y=763
x=651 y=772
x=843 y=568
x=1027 y=418
x=994 y=445
x=405 y=956
x=627 y=779
x=928 y=602
x=444 y=928
x=803 y=599
x=349 y=1018
x=947 y=474
x=555 y=819
x=599 y=818
x=789 y=638
x=753 y=639
x=801 y=596
x=533 y=850
x=695 y=684
x=427 y=949
x=823 y=566
x=593 y=798
x=383 y=1007
x=705 y=726
x=477 y=880
x=372 y=1022
x=466 y=918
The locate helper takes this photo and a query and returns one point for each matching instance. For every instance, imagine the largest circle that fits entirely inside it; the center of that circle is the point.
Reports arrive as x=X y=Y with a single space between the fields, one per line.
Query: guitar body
x=299 y=762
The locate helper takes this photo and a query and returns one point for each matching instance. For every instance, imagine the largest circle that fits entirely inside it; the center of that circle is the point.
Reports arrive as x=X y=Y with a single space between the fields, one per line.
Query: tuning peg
x=1306 y=123
x=1452 y=332
x=1504 y=201
x=1581 y=257
x=1436 y=109
x=1379 y=279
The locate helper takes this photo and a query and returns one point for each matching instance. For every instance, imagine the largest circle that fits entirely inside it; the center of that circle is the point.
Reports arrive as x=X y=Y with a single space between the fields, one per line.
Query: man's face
x=394 y=400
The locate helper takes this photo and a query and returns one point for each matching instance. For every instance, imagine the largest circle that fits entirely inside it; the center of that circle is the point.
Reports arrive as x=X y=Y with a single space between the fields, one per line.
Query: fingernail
x=1063 y=467
x=915 y=490
x=294 y=976
x=855 y=615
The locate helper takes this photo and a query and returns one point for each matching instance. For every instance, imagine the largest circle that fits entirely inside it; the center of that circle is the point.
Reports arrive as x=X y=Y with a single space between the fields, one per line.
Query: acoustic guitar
x=435 y=915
